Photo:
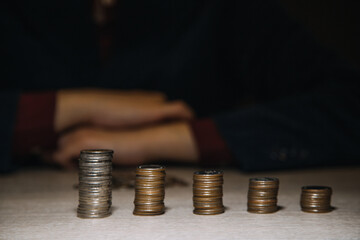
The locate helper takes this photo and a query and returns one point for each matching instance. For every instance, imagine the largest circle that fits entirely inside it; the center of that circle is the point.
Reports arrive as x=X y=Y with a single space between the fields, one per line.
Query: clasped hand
x=139 y=126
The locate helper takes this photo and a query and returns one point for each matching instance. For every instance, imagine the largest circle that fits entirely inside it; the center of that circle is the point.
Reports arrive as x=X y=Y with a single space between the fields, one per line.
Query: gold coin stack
x=95 y=168
x=149 y=190
x=262 y=195
x=316 y=199
x=208 y=193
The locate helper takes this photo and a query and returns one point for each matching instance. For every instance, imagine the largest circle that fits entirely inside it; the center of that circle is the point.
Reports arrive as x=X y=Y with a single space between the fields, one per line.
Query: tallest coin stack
x=95 y=168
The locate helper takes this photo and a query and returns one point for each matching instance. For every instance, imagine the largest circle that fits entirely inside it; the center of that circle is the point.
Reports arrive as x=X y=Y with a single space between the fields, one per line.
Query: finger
x=67 y=151
x=136 y=95
x=152 y=96
x=176 y=110
x=64 y=156
x=66 y=162
x=70 y=145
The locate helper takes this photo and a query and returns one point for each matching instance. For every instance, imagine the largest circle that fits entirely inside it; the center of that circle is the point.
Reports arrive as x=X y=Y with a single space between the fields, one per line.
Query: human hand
x=172 y=141
x=114 y=108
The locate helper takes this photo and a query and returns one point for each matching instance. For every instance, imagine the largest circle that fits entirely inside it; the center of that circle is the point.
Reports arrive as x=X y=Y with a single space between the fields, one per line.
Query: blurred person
x=265 y=93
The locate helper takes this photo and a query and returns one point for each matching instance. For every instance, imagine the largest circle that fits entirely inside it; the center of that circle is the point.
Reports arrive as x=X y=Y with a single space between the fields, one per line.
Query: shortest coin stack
x=149 y=190
x=208 y=193
x=262 y=195
x=316 y=199
x=95 y=183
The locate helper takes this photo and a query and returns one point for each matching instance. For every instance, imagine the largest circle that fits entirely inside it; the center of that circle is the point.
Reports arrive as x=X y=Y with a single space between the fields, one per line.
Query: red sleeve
x=212 y=148
x=34 y=129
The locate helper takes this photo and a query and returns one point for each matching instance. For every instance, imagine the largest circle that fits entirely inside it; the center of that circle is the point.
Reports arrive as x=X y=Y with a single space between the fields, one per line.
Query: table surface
x=41 y=204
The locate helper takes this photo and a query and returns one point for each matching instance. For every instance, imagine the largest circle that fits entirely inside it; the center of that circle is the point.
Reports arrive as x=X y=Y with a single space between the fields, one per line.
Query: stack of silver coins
x=316 y=199
x=149 y=190
x=262 y=195
x=95 y=183
x=208 y=192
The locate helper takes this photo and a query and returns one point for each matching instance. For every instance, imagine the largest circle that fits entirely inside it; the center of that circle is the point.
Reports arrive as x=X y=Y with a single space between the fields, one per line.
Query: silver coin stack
x=95 y=183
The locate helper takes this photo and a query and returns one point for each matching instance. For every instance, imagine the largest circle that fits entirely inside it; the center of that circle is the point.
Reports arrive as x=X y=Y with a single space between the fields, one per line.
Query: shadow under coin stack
x=316 y=199
x=95 y=183
x=149 y=190
x=262 y=195
x=208 y=192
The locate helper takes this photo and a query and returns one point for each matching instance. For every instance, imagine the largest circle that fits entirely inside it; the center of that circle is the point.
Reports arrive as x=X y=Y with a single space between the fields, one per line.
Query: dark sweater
x=216 y=55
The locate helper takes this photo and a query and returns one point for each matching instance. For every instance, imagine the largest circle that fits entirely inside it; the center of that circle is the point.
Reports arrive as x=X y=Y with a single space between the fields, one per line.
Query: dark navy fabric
x=8 y=104
x=217 y=55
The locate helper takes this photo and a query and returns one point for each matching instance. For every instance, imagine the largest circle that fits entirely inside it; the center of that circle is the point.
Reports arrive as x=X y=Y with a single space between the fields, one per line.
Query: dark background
x=335 y=23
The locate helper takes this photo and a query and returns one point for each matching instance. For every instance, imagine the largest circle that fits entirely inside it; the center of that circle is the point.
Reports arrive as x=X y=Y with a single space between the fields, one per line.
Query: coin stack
x=208 y=193
x=316 y=199
x=149 y=190
x=262 y=195
x=95 y=183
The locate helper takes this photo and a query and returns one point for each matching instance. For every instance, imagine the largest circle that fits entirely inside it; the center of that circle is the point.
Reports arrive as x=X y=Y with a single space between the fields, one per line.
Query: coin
x=262 y=195
x=316 y=199
x=149 y=190
x=207 y=192
x=95 y=167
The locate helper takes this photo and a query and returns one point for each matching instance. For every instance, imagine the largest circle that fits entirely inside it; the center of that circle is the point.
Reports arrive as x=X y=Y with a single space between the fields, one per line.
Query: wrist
x=70 y=109
x=172 y=141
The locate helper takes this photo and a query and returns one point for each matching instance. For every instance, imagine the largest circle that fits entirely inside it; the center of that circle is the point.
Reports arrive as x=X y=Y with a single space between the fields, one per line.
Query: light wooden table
x=42 y=204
